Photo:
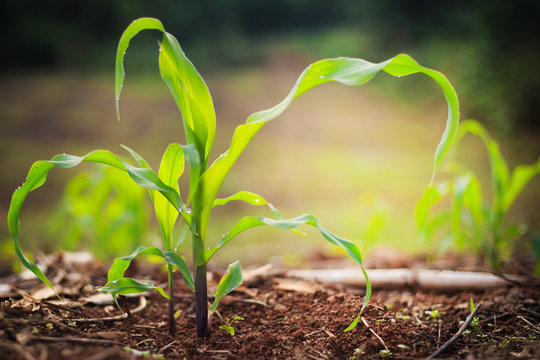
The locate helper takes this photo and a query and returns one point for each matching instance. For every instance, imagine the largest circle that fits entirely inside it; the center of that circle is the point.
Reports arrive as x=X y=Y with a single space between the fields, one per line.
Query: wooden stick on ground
x=453 y=338
x=415 y=278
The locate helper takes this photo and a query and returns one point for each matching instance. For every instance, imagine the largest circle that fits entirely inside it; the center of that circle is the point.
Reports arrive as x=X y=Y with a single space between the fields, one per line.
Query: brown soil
x=283 y=318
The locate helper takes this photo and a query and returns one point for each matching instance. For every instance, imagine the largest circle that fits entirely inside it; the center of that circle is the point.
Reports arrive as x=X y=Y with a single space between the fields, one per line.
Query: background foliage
x=56 y=87
x=489 y=48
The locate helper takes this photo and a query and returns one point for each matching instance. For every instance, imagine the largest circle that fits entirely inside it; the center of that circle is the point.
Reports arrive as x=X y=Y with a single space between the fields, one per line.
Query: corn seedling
x=472 y=220
x=195 y=103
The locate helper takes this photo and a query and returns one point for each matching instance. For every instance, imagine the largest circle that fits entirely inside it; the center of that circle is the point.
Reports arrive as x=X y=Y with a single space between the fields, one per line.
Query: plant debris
x=292 y=323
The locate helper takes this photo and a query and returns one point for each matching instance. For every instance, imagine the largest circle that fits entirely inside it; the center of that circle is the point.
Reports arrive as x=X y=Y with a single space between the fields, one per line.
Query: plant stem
x=171 y=299
x=201 y=302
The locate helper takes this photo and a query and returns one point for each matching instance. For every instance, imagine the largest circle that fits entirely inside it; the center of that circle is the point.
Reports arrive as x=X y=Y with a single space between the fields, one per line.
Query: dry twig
x=453 y=338
x=374 y=333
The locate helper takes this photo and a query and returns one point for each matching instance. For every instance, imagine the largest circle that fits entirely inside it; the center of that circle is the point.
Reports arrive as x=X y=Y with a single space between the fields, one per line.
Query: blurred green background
x=357 y=158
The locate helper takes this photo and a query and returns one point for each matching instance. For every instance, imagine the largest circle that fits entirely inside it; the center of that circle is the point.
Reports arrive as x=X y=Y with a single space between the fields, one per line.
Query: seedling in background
x=195 y=103
x=472 y=220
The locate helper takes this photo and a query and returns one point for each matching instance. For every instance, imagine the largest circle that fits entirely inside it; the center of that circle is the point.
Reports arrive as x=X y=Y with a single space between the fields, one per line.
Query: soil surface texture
x=281 y=318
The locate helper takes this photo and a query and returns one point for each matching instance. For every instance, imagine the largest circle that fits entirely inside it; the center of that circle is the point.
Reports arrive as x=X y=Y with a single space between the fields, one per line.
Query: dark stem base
x=201 y=303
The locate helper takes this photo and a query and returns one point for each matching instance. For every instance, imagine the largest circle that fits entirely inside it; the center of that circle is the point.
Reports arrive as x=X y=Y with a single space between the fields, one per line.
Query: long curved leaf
x=38 y=174
x=348 y=71
x=250 y=222
x=186 y=85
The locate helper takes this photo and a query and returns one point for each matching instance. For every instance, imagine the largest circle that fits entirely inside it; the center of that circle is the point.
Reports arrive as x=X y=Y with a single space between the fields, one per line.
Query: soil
x=282 y=318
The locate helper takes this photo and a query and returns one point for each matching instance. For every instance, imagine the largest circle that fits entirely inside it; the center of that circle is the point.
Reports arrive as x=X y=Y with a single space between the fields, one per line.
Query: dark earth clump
x=283 y=318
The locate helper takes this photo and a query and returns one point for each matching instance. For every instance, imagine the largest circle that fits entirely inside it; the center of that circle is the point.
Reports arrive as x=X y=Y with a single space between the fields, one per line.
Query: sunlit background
x=357 y=158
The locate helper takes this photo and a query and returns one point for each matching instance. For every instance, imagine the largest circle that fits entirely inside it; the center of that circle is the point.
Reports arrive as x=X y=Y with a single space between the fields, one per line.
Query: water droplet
x=257 y=200
x=321 y=77
x=124 y=53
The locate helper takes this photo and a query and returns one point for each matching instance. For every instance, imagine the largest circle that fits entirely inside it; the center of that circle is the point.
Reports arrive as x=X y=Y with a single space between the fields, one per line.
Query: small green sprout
x=403 y=348
x=433 y=314
x=357 y=354
x=385 y=353
x=475 y=322
x=229 y=324
x=194 y=101
x=402 y=315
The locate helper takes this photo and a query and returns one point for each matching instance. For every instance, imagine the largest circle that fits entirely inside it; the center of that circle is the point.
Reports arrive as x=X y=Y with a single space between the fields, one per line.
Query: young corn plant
x=195 y=104
x=472 y=221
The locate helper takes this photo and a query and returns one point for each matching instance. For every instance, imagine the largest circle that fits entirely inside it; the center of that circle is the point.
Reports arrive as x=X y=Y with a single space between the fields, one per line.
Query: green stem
x=171 y=299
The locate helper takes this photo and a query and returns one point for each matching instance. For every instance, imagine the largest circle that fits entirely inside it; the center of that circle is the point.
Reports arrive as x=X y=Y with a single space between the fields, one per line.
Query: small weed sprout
x=433 y=314
x=357 y=354
x=228 y=327
x=402 y=315
x=385 y=353
x=205 y=177
x=475 y=322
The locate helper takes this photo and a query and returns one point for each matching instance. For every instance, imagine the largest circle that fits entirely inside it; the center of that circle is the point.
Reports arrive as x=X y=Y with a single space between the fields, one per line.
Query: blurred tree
x=489 y=48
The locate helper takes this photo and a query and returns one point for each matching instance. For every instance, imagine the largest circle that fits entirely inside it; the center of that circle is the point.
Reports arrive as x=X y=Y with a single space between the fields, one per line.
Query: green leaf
x=347 y=71
x=120 y=265
x=38 y=174
x=521 y=175
x=142 y=163
x=230 y=281
x=181 y=238
x=431 y=196
x=186 y=85
x=191 y=95
x=127 y=286
x=133 y=29
x=499 y=168
x=250 y=222
x=174 y=259
x=170 y=170
x=250 y=198
x=194 y=164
